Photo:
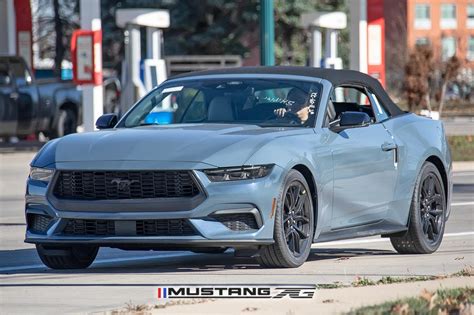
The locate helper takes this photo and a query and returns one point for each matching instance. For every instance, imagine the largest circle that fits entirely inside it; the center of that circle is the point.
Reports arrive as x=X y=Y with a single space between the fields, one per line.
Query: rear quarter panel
x=418 y=138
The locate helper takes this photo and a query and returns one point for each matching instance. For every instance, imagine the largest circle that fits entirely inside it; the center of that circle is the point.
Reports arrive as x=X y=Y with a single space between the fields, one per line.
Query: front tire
x=75 y=257
x=427 y=215
x=67 y=124
x=294 y=226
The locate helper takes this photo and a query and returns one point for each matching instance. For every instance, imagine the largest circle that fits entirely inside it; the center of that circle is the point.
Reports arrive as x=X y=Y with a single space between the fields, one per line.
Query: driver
x=297 y=105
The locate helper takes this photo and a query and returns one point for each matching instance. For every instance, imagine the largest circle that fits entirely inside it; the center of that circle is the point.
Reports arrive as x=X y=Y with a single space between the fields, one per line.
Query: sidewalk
x=325 y=301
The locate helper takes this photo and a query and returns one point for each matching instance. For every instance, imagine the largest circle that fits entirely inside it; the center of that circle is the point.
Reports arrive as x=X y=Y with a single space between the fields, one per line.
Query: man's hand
x=280 y=112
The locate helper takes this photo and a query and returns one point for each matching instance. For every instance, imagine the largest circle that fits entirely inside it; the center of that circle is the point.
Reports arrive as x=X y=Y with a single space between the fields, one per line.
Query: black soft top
x=336 y=77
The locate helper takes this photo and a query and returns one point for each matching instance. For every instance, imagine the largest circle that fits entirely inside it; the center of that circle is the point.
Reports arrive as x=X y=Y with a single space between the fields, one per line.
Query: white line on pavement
x=379 y=240
x=467 y=203
x=104 y=261
x=182 y=254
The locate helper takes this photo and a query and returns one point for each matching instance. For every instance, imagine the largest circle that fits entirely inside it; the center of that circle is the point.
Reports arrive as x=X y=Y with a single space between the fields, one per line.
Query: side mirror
x=352 y=120
x=106 y=121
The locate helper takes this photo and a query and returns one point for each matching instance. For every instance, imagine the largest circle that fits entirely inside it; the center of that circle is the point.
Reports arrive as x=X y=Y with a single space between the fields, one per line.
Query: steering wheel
x=289 y=117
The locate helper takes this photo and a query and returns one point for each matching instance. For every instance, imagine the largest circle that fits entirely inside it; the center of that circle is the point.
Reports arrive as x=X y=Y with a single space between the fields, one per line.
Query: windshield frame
x=176 y=81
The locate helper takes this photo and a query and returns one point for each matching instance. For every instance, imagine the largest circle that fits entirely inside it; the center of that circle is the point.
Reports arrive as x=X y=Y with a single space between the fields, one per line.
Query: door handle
x=14 y=95
x=389 y=146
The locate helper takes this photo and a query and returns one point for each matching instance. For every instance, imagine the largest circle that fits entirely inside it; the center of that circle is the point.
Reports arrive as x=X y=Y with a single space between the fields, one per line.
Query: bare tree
x=449 y=73
x=418 y=72
x=55 y=22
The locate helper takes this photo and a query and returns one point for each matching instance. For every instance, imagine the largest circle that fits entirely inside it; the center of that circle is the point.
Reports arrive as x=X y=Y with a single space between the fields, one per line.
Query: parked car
x=265 y=160
x=28 y=106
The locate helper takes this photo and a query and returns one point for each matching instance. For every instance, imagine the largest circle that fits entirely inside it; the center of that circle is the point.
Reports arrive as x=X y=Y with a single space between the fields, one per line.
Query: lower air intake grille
x=89 y=227
x=38 y=223
x=170 y=227
x=176 y=227
x=237 y=221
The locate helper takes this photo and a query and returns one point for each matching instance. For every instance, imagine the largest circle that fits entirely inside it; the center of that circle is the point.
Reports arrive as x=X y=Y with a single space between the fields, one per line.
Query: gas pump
x=331 y=23
x=140 y=75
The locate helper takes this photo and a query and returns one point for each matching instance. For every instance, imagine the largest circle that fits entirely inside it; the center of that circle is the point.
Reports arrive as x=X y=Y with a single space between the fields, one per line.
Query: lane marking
x=379 y=240
x=182 y=254
x=467 y=203
x=108 y=260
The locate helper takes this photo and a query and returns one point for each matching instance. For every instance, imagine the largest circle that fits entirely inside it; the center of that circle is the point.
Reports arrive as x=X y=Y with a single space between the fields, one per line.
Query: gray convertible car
x=264 y=160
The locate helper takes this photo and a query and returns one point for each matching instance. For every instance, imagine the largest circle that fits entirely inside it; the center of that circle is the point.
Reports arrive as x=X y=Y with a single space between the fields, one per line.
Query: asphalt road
x=118 y=277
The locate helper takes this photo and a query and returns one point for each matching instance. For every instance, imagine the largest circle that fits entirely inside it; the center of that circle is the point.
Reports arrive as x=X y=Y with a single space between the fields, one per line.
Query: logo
x=123 y=184
x=261 y=292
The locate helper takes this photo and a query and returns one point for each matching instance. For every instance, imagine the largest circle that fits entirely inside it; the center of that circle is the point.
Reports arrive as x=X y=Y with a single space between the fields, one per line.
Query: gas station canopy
x=143 y=17
x=332 y=20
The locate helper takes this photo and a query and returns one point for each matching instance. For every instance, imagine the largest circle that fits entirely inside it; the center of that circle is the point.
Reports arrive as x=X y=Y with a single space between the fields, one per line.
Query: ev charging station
x=331 y=23
x=140 y=75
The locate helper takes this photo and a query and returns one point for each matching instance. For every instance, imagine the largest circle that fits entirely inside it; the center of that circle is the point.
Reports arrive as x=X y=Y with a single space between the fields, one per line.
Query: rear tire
x=427 y=216
x=75 y=257
x=294 y=226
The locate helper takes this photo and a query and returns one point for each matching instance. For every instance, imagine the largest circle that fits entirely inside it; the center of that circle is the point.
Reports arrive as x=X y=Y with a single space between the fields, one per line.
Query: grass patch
x=334 y=285
x=145 y=309
x=462 y=147
x=364 y=282
x=443 y=301
x=467 y=271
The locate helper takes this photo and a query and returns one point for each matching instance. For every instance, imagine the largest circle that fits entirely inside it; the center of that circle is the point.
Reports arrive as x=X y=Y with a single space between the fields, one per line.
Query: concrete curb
x=464 y=166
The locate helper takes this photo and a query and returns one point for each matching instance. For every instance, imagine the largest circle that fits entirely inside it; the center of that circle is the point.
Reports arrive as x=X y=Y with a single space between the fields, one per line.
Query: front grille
x=237 y=221
x=38 y=223
x=106 y=185
x=169 y=227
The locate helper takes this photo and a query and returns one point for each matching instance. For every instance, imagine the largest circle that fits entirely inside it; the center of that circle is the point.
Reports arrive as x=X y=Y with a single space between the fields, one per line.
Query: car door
x=365 y=170
x=27 y=99
x=8 y=96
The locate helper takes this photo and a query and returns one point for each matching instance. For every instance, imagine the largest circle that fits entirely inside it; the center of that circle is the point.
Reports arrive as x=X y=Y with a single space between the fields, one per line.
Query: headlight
x=42 y=174
x=238 y=173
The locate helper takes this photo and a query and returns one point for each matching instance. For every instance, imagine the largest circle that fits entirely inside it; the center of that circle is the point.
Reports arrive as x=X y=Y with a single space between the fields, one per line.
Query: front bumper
x=248 y=196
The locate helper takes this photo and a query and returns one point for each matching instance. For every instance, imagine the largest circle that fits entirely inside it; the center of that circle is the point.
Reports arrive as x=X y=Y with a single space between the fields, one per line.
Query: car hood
x=212 y=144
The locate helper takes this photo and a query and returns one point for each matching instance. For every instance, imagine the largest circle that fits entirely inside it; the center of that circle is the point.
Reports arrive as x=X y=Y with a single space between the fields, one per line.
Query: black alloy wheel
x=427 y=217
x=431 y=207
x=296 y=217
x=293 y=227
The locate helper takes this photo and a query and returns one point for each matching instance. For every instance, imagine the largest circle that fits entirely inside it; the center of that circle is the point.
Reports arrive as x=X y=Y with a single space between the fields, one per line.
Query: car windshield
x=263 y=102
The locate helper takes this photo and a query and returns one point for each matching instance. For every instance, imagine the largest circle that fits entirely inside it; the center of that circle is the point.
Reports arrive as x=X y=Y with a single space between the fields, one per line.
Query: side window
x=5 y=78
x=20 y=73
x=349 y=99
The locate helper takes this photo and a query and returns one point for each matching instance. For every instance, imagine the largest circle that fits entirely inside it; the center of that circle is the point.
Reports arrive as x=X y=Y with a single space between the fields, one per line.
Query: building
x=446 y=25
x=16 y=26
